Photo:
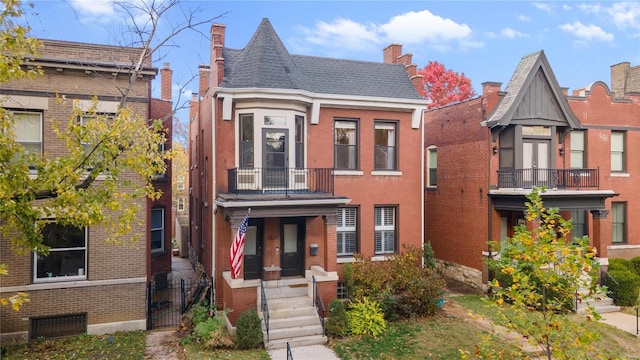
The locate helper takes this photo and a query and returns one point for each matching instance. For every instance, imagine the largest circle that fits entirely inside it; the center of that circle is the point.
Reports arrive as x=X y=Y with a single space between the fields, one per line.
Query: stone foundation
x=466 y=275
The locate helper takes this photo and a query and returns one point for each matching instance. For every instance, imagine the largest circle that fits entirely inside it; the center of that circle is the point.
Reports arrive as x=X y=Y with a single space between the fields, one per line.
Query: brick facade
x=113 y=292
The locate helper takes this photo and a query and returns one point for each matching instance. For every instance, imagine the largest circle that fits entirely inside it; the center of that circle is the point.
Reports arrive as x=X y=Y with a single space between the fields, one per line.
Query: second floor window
x=246 y=141
x=385 y=230
x=432 y=167
x=577 y=150
x=346 y=231
x=181 y=204
x=385 y=146
x=27 y=129
x=617 y=151
x=346 y=145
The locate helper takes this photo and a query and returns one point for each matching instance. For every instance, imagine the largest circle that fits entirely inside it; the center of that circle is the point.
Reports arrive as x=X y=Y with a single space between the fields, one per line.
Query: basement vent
x=48 y=327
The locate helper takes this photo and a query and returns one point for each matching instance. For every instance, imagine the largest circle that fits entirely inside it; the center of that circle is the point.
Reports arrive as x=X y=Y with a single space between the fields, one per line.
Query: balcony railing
x=549 y=178
x=285 y=181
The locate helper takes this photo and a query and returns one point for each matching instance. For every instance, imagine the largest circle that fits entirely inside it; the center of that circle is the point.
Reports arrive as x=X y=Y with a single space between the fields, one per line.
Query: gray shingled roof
x=266 y=63
x=518 y=85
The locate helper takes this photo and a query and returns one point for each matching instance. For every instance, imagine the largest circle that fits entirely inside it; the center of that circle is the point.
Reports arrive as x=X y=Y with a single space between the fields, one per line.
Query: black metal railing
x=168 y=300
x=289 y=353
x=611 y=284
x=280 y=180
x=265 y=308
x=318 y=303
x=549 y=178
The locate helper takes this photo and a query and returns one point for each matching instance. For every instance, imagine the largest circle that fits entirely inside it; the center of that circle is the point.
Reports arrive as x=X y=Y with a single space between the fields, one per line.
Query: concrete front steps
x=601 y=303
x=293 y=319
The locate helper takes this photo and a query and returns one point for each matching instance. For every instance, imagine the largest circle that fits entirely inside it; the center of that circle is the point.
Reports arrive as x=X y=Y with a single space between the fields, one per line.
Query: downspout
x=422 y=161
x=214 y=187
x=489 y=206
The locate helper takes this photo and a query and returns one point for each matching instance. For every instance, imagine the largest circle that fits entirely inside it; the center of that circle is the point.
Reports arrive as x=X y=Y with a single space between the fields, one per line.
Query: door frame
x=267 y=181
x=257 y=270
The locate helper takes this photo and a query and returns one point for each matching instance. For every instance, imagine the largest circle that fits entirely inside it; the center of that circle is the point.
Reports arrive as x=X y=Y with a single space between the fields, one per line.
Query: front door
x=274 y=157
x=253 y=249
x=535 y=163
x=292 y=233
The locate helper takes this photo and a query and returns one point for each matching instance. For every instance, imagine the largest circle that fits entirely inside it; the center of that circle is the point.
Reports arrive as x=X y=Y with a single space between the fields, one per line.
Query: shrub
x=337 y=322
x=402 y=286
x=366 y=318
x=635 y=262
x=620 y=264
x=626 y=291
x=208 y=331
x=248 y=330
x=429 y=256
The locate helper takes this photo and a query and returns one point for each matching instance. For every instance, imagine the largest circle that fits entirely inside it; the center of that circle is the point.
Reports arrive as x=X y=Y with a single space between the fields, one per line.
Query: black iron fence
x=549 y=178
x=280 y=180
x=168 y=300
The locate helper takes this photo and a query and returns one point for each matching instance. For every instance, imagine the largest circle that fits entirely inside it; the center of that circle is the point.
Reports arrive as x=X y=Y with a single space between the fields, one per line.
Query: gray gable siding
x=266 y=63
x=533 y=91
x=539 y=102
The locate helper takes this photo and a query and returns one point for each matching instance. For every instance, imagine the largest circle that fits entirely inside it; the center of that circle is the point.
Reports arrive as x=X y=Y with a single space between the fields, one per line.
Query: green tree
x=540 y=274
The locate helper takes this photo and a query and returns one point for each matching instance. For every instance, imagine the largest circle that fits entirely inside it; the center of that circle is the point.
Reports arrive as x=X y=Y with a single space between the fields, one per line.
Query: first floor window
x=342 y=294
x=346 y=231
x=385 y=230
x=181 y=204
x=157 y=229
x=579 y=221
x=618 y=217
x=67 y=253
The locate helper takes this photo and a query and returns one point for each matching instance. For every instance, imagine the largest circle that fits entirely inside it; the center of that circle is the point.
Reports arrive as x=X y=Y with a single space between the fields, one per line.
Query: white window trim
x=431 y=149
x=386 y=227
x=386 y=173
x=162 y=229
x=340 y=227
x=34 y=266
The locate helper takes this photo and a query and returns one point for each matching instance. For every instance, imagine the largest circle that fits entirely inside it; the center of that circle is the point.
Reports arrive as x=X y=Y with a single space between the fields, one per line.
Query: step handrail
x=289 y=353
x=317 y=302
x=265 y=308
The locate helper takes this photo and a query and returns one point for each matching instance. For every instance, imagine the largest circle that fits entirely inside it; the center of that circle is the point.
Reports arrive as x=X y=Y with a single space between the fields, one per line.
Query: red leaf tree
x=444 y=86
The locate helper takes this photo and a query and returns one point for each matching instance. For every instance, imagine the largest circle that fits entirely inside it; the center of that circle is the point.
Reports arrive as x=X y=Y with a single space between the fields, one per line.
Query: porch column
x=331 y=241
x=598 y=238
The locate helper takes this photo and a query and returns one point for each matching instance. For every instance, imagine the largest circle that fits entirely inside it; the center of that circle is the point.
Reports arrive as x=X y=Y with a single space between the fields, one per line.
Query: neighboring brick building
x=103 y=288
x=326 y=153
x=483 y=156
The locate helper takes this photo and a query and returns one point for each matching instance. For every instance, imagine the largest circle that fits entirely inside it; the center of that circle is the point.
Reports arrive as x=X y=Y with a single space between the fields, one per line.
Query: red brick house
x=326 y=153
x=103 y=288
x=484 y=155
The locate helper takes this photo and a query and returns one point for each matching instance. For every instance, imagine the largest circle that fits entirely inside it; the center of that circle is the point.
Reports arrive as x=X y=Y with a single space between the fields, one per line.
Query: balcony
x=280 y=181
x=573 y=179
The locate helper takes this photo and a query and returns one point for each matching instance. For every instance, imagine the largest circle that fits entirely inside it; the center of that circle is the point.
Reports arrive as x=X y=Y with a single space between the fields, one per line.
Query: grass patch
x=616 y=342
x=120 y=345
x=438 y=337
x=194 y=352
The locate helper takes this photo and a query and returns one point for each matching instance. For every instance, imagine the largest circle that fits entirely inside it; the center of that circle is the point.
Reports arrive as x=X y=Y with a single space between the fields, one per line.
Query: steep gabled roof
x=532 y=81
x=266 y=63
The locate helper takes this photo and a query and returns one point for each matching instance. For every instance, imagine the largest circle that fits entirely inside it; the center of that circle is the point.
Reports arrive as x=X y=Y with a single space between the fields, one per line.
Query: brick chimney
x=491 y=94
x=166 y=75
x=203 y=83
x=217 y=61
x=392 y=53
x=619 y=79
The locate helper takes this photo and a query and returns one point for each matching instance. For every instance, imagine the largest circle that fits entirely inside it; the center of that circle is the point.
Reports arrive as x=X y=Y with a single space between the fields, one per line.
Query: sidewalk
x=310 y=352
x=626 y=322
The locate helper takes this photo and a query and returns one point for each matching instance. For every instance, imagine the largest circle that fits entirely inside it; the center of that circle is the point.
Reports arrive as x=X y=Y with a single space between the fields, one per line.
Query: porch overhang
x=514 y=199
x=235 y=208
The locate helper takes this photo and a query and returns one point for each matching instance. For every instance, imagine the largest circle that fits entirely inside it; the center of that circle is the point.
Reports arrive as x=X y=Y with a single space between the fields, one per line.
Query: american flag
x=236 y=252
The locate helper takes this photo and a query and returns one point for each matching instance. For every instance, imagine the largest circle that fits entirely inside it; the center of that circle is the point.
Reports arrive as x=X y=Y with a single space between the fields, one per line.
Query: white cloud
x=421 y=27
x=524 y=18
x=587 y=32
x=94 y=7
x=507 y=33
x=343 y=32
x=625 y=14
x=590 y=8
x=566 y=7
x=542 y=6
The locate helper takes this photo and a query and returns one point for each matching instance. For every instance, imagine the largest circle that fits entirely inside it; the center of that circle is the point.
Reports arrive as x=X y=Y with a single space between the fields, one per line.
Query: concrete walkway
x=626 y=322
x=311 y=352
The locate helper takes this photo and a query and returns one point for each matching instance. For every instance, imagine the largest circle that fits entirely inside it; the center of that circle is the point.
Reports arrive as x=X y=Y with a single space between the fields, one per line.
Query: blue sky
x=485 y=40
